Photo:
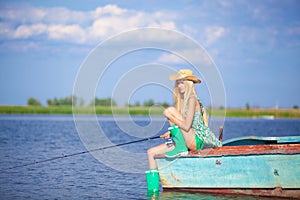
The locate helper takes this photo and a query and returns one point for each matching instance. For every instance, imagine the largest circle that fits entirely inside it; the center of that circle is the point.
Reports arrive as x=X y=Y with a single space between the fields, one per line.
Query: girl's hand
x=166 y=135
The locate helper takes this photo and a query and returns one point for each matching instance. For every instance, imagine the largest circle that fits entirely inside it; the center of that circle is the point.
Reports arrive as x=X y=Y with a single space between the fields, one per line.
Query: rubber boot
x=152 y=178
x=180 y=146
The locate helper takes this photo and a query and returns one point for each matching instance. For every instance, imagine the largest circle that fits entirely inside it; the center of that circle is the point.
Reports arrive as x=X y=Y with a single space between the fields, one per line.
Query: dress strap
x=201 y=105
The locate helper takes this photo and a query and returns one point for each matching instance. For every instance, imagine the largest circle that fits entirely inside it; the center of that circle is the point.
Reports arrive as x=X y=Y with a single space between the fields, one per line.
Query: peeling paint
x=174 y=177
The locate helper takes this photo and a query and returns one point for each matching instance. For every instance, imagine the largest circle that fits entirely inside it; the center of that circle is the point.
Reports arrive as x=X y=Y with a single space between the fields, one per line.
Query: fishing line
x=78 y=153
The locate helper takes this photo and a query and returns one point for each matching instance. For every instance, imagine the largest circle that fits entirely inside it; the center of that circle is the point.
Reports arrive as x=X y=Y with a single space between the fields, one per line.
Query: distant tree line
x=149 y=103
x=56 y=101
x=103 y=102
x=33 y=102
x=61 y=101
x=70 y=100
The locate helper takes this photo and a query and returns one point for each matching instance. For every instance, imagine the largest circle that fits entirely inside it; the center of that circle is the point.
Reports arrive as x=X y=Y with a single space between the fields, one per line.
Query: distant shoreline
x=139 y=111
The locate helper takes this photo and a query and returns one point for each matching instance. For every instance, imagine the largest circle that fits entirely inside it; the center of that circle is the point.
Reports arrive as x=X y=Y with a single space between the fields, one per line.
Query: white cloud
x=21 y=13
x=64 y=16
x=214 y=33
x=106 y=26
x=192 y=55
x=109 y=9
x=89 y=27
x=5 y=30
x=72 y=33
x=26 y=31
x=170 y=59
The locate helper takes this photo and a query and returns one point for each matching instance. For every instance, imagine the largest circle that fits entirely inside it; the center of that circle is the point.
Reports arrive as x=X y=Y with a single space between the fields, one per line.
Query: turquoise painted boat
x=262 y=166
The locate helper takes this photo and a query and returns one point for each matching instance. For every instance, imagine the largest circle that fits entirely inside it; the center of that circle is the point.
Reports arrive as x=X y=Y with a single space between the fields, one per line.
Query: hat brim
x=193 y=78
x=175 y=77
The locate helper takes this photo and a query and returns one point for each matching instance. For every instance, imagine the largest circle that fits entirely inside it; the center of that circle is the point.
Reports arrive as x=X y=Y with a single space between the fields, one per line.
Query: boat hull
x=265 y=170
x=274 y=192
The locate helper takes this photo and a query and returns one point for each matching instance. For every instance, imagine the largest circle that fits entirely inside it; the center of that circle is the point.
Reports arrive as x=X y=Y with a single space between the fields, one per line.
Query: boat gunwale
x=247 y=150
x=257 y=139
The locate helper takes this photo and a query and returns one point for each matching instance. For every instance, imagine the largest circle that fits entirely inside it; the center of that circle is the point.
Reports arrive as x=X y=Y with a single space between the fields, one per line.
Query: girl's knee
x=151 y=152
x=168 y=111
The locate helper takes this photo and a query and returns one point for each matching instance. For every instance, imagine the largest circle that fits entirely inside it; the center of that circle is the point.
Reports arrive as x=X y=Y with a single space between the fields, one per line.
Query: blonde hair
x=181 y=101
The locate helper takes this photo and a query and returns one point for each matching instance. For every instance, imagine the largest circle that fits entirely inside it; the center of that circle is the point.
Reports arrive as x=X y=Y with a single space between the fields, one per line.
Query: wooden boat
x=262 y=166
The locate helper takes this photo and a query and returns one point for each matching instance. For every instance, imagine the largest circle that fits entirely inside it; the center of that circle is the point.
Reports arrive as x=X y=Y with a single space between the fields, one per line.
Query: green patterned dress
x=202 y=131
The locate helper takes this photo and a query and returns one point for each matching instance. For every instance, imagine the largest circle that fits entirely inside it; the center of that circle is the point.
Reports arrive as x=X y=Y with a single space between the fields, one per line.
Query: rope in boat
x=78 y=153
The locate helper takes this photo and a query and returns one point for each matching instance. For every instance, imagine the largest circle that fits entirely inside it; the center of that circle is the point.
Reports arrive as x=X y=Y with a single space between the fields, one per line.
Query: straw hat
x=185 y=74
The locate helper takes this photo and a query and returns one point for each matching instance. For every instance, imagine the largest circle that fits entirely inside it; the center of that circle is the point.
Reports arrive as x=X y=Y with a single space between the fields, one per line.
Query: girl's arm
x=187 y=122
x=165 y=135
x=175 y=117
x=204 y=118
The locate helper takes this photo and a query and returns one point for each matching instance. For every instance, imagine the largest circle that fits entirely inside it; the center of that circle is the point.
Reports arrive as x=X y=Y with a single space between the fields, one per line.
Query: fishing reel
x=169 y=142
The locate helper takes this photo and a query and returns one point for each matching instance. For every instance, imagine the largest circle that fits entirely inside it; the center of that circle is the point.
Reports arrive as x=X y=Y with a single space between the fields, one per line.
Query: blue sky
x=254 y=44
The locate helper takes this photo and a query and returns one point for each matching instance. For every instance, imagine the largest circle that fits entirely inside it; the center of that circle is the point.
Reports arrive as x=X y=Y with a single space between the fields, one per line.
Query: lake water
x=29 y=138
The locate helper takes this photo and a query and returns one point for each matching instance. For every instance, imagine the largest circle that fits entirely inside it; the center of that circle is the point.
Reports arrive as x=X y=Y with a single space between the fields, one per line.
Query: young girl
x=188 y=125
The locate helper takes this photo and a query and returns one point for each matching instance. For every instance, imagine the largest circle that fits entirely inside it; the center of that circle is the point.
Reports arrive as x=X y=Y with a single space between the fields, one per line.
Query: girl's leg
x=174 y=115
x=160 y=149
x=189 y=138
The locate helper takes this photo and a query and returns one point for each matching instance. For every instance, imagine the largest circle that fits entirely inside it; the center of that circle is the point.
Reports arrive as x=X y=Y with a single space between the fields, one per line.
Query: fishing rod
x=78 y=153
